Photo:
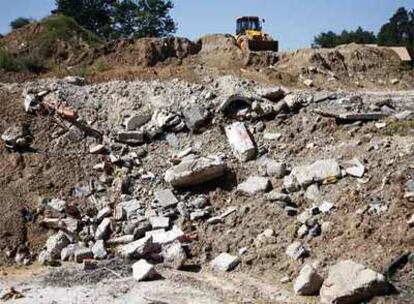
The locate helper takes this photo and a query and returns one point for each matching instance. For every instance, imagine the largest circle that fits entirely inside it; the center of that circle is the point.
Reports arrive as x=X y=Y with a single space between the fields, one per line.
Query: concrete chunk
x=137 y=248
x=315 y=173
x=136 y=121
x=159 y=222
x=174 y=255
x=308 y=282
x=131 y=137
x=56 y=243
x=103 y=229
x=297 y=251
x=83 y=254
x=240 y=141
x=349 y=282
x=225 y=262
x=254 y=185
x=195 y=117
x=142 y=270
x=192 y=172
x=166 y=198
x=98 y=250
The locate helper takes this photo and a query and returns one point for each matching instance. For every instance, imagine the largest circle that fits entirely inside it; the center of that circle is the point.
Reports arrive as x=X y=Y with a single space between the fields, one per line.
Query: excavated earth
x=368 y=223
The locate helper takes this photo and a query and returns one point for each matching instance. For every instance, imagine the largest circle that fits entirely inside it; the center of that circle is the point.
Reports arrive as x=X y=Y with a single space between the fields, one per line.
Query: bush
x=8 y=63
x=19 y=22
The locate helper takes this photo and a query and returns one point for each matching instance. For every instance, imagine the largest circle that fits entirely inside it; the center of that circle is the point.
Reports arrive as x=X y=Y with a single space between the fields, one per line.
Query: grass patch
x=403 y=128
x=8 y=62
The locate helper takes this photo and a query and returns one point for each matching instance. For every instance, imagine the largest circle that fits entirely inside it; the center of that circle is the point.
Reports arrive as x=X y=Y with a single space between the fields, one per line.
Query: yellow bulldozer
x=250 y=36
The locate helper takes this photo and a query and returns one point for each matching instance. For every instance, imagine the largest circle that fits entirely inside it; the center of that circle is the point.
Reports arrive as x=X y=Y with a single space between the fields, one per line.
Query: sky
x=293 y=22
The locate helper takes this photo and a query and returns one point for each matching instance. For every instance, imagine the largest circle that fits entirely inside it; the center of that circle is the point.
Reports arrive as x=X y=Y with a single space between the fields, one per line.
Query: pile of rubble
x=143 y=202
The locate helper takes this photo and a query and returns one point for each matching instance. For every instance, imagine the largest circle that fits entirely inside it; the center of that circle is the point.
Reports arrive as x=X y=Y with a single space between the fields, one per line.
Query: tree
x=121 y=18
x=399 y=31
x=331 y=39
x=19 y=22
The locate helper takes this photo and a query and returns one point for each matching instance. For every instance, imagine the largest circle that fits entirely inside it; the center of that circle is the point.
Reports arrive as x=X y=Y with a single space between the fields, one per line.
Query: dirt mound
x=149 y=51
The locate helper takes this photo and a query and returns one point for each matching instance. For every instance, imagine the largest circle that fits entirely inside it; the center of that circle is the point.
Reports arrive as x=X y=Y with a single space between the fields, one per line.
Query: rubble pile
x=181 y=168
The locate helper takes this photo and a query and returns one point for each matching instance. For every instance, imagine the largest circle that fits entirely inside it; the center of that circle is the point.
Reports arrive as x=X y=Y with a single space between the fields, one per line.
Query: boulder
x=174 y=255
x=56 y=243
x=240 y=140
x=138 y=248
x=254 y=185
x=98 y=250
x=195 y=171
x=349 y=282
x=308 y=282
x=195 y=116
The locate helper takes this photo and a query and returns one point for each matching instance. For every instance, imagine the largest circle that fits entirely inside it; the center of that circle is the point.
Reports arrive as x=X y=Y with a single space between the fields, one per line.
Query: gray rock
x=276 y=169
x=241 y=142
x=191 y=172
x=349 y=282
x=68 y=253
x=104 y=212
x=195 y=117
x=138 y=248
x=174 y=255
x=132 y=208
x=121 y=240
x=297 y=251
x=16 y=137
x=136 y=121
x=254 y=185
x=312 y=194
x=159 y=222
x=82 y=254
x=98 y=250
x=103 y=229
x=199 y=215
x=57 y=204
x=356 y=169
x=167 y=237
x=225 y=262
x=275 y=196
x=316 y=172
x=326 y=207
x=308 y=282
x=44 y=258
x=200 y=202
x=56 y=243
x=142 y=270
x=166 y=198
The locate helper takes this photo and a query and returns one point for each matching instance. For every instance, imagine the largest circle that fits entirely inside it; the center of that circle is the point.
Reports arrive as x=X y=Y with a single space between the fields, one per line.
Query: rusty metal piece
x=60 y=108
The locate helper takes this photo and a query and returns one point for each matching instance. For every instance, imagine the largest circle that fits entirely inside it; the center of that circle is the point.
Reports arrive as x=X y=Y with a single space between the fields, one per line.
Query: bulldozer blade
x=261 y=45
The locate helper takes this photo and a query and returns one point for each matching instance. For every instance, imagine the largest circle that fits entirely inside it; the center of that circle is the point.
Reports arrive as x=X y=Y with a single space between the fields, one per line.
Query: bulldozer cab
x=248 y=24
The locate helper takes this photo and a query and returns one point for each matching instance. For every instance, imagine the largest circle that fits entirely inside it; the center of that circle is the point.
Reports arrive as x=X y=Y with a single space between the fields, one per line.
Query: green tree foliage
x=121 y=18
x=19 y=22
x=331 y=39
x=399 y=31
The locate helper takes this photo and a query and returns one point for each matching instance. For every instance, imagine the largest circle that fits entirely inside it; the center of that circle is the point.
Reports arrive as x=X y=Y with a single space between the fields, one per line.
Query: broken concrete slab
x=166 y=198
x=195 y=171
x=350 y=282
x=138 y=248
x=195 y=117
x=254 y=185
x=159 y=222
x=356 y=168
x=167 y=237
x=131 y=137
x=317 y=172
x=136 y=121
x=225 y=262
x=241 y=142
x=308 y=281
x=56 y=243
x=142 y=270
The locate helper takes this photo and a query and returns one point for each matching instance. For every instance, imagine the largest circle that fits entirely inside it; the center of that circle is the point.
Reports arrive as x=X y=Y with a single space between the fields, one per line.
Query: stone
x=68 y=252
x=103 y=213
x=195 y=117
x=97 y=149
x=89 y=264
x=291 y=211
x=103 y=229
x=254 y=185
x=166 y=198
x=349 y=282
x=131 y=137
x=312 y=194
x=199 y=202
x=410 y=222
x=302 y=231
x=403 y=115
x=305 y=216
x=136 y=121
x=138 y=248
x=308 y=282
x=159 y=222
x=142 y=270
x=82 y=254
x=225 y=262
x=167 y=237
x=174 y=255
x=199 y=215
x=290 y=183
x=56 y=243
x=44 y=258
x=394 y=81
x=241 y=142
x=326 y=206
x=275 y=169
x=357 y=169
x=16 y=137
x=297 y=251
x=98 y=250
x=272 y=136
x=276 y=196
x=317 y=172
x=120 y=240
x=308 y=82
x=132 y=208
x=57 y=204
x=195 y=171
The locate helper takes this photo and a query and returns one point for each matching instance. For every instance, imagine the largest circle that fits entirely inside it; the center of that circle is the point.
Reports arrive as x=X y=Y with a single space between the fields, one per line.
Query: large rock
x=195 y=171
x=254 y=185
x=308 y=282
x=136 y=121
x=195 y=116
x=16 y=137
x=349 y=282
x=138 y=248
x=225 y=262
x=314 y=173
x=174 y=255
x=241 y=141
x=103 y=229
